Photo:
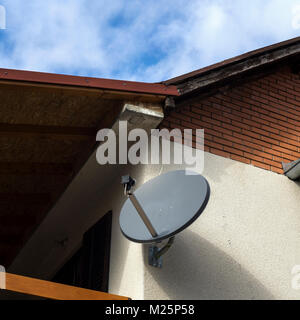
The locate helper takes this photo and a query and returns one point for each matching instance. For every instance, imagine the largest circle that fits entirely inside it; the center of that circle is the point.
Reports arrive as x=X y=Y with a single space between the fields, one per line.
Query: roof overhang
x=48 y=127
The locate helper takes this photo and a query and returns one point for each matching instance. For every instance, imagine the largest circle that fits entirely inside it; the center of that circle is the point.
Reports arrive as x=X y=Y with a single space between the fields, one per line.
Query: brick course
x=257 y=123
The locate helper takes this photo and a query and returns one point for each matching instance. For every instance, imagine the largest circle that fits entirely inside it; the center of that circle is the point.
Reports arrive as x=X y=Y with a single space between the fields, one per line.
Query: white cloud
x=142 y=40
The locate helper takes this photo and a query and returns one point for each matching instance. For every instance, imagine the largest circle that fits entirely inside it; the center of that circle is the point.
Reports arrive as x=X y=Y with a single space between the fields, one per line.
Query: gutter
x=88 y=82
x=292 y=169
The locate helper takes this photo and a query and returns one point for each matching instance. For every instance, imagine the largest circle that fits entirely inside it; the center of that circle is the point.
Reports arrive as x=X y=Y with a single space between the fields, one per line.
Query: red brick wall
x=257 y=123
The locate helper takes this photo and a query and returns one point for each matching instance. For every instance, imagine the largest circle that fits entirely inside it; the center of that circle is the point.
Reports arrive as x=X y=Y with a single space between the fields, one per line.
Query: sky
x=149 y=40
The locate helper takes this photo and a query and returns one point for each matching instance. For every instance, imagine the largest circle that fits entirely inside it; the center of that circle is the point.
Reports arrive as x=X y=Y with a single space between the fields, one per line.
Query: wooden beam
x=30 y=168
x=55 y=291
x=28 y=129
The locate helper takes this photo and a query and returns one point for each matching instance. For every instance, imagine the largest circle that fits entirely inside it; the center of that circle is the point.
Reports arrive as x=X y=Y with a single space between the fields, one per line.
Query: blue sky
x=147 y=40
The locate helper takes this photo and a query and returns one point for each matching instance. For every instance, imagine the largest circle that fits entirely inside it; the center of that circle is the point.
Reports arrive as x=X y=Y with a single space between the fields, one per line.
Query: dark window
x=89 y=266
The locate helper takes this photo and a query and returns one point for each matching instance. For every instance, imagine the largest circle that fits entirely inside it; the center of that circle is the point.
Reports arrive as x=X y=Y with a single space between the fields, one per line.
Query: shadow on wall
x=196 y=269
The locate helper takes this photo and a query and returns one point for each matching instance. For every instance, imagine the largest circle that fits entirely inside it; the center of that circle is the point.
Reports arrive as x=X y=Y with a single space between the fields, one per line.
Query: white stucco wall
x=243 y=246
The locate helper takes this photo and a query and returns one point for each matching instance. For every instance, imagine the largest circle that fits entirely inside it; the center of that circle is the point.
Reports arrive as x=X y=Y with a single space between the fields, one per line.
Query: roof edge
x=88 y=82
x=232 y=61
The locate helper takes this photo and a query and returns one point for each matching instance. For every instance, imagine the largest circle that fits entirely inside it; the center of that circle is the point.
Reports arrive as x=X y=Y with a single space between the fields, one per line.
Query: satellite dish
x=162 y=207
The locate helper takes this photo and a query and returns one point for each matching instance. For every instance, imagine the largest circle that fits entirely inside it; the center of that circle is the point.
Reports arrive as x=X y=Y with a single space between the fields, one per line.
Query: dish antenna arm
x=128 y=183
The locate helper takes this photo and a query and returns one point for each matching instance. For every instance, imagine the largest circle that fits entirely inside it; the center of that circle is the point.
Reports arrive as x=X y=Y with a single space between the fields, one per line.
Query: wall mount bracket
x=155 y=254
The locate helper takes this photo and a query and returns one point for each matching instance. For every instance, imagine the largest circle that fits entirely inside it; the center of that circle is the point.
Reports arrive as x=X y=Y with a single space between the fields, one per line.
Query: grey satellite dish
x=161 y=208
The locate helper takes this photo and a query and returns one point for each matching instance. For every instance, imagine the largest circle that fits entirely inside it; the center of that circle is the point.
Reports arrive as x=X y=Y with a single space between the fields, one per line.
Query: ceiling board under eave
x=47 y=133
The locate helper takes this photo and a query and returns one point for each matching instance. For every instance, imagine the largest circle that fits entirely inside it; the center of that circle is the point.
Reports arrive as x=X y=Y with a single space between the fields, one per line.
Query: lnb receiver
x=127 y=182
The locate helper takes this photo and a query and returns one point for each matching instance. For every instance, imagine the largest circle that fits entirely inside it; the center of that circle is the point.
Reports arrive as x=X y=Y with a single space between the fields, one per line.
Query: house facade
x=243 y=246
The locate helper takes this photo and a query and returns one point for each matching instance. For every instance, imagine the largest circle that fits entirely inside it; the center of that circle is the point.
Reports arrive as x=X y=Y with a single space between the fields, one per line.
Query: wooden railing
x=55 y=291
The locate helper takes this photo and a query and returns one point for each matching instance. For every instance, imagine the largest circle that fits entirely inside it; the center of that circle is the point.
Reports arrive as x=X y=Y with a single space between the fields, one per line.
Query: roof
x=234 y=66
x=88 y=82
